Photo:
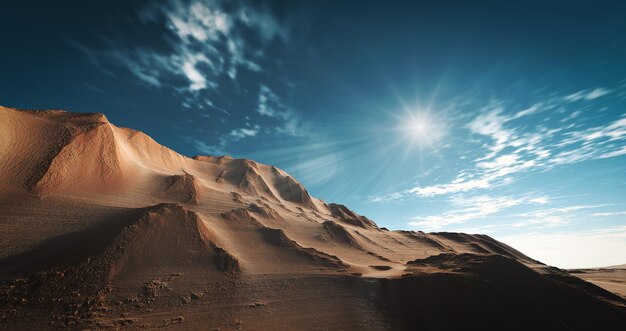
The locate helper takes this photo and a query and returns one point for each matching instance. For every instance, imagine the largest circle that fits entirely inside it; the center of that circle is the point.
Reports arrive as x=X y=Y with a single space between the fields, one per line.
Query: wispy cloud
x=608 y=214
x=551 y=216
x=471 y=208
x=271 y=105
x=470 y=215
x=244 y=132
x=459 y=185
x=204 y=148
x=224 y=140
x=587 y=94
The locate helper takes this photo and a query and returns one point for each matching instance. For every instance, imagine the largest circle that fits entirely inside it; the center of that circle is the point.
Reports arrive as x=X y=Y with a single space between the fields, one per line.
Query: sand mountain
x=102 y=227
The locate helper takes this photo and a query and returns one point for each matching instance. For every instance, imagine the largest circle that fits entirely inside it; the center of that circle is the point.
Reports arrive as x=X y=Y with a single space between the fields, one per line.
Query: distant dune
x=612 y=278
x=102 y=227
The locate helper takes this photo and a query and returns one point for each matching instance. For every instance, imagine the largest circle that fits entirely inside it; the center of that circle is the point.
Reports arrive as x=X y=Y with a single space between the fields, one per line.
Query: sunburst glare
x=421 y=129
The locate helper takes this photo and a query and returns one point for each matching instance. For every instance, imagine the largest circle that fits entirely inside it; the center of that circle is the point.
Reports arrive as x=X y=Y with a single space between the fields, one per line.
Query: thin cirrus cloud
x=469 y=208
x=225 y=139
x=270 y=105
x=534 y=220
x=552 y=216
x=203 y=147
x=587 y=94
x=244 y=132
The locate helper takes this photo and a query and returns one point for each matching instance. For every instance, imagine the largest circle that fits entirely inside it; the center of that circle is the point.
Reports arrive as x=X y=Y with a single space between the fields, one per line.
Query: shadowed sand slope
x=102 y=227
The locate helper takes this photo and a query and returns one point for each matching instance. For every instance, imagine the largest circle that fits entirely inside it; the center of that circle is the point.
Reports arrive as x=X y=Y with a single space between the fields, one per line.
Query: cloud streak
x=471 y=208
x=270 y=105
x=587 y=94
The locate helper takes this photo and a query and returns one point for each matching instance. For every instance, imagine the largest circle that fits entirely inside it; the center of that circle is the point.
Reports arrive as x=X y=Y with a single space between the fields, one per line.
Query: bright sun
x=420 y=129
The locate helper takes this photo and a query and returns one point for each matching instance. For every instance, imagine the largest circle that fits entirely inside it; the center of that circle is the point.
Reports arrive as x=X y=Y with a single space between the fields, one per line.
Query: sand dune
x=102 y=227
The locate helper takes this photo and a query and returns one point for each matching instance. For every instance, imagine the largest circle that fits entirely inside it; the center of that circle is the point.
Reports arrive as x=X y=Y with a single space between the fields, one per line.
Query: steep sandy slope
x=101 y=226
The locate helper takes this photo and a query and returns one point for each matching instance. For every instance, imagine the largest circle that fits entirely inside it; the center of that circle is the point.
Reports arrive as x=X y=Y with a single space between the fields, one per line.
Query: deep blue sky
x=499 y=118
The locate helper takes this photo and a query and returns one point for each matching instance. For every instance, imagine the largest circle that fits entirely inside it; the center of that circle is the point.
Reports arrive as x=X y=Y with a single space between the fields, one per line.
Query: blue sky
x=498 y=118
